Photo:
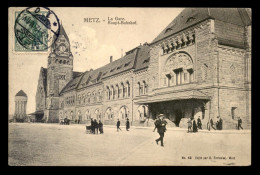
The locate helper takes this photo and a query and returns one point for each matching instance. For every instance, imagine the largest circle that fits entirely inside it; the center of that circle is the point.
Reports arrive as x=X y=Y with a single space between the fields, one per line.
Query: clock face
x=62 y=48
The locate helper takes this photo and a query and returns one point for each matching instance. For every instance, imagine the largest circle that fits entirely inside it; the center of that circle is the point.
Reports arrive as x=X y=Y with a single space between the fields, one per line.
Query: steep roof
x=21 y=93
x=143 y=58
x=191 y=16
x=137 y=58
x=62 y=32
x=76 y=74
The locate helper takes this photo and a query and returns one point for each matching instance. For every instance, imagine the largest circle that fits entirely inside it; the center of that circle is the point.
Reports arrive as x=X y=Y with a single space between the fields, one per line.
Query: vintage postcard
x=93 y=86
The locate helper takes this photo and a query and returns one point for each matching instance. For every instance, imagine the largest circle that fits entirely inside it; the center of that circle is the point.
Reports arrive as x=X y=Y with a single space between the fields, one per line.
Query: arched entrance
x=123 y=113
x=142 y=112
x=178 y=116
x=109 y=114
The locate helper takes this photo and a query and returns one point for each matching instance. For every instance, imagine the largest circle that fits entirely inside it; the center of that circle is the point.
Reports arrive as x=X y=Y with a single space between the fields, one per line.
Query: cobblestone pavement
x=36 y=144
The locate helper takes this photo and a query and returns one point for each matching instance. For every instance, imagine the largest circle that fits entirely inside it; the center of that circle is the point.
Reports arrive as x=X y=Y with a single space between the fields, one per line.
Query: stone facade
x=198 y=70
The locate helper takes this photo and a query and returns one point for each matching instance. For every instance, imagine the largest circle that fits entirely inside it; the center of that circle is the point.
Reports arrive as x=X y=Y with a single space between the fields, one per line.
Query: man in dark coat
x=127 y=124
x=219 y=123
x=239 y=123
x=95 y=126
x=194 y=126
x=212 y=124
x=92 y=126
x=118 y=125
x=161 y=128
x=100 y=126
x=199 y=123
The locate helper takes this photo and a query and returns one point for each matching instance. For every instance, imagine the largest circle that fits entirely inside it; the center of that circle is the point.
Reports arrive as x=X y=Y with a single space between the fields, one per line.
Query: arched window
x=87 y=115
x=108 y=93
x=178 y=69
x=145 y=87
x=100 y=94
x=71 y=115
x=109 y=114
x=141 y=88
x=128 y=89
x=94 y=96
x=113 y=92
x=142 y=112
x=123 y=113
x=123 y=89
x=79 y=116
x=97 y=114
x=118 y=91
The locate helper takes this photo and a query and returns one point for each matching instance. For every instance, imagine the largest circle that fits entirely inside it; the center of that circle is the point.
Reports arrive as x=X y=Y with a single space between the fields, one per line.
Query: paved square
x=36 y=144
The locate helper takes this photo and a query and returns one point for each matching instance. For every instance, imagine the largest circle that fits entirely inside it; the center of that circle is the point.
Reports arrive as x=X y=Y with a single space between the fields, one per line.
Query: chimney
x=111 y=59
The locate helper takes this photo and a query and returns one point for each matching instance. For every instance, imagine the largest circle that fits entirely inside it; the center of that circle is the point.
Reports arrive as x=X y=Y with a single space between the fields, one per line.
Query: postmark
x=36 y=28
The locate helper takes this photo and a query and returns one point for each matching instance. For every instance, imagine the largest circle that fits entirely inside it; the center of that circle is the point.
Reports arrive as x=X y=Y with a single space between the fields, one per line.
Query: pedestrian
x=127 y=124
x=199 y=123
x=161 y=128
x=212 y=124
x=100 y=126
x=239 y=123
x=78 y=121
x=219 y=123
x=189 y=125
x=92 y=126
x=194 y=126
x=95 y=126
x=118 y=125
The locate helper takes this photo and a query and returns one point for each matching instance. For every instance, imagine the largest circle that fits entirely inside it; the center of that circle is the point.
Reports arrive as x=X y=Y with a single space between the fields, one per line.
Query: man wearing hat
x=239 y=123
x=127 y=124
x=161 y=128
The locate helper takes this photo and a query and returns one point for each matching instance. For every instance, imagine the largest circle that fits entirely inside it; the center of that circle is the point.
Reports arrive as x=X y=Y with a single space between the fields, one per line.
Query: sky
x=92 y=43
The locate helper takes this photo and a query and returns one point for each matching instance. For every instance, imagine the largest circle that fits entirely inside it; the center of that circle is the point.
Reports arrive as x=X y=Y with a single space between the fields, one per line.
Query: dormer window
x=167 y=30
x=146 y=60
x=112 y=70
x=126 y=64
x=190 y=19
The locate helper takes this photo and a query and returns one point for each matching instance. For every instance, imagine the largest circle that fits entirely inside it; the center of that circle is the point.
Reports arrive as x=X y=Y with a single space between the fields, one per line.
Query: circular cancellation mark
x=37 y=28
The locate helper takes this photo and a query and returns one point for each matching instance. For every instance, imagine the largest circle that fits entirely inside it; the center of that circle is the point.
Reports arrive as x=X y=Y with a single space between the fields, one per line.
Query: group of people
x=193 y=126
x=64 y=121
x=218 y=125
x=127 y=124
x=96 y=127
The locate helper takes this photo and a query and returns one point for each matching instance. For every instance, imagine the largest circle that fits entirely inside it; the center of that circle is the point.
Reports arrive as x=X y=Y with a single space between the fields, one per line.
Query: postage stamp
x=35 y=28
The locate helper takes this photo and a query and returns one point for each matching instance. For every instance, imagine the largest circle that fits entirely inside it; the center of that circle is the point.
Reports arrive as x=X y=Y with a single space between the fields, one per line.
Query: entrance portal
x=178 y=116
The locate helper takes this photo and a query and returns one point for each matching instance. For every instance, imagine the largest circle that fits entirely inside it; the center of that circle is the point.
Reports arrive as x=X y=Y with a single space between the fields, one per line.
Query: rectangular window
x=185 y=77
x=177 y=78
x=233 y=109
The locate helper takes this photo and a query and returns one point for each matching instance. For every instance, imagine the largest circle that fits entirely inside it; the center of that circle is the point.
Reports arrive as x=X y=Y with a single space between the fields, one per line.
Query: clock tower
x=59 y=73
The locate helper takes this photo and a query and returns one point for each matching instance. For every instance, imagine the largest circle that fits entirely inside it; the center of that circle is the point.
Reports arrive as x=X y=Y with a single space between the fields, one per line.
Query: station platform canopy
x=183 y=95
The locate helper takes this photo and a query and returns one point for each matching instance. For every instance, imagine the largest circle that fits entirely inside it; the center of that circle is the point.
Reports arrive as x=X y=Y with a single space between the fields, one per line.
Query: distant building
x=20 y=107
x=199 y=65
